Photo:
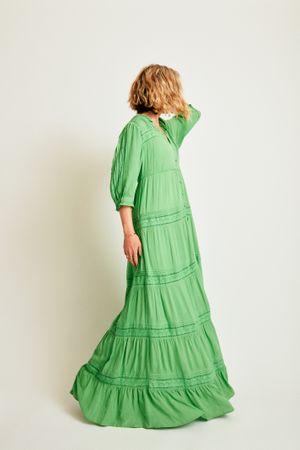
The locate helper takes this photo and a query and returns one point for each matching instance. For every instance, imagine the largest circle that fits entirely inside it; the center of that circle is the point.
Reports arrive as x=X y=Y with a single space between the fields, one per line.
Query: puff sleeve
x=126 y=166
x=178 y=127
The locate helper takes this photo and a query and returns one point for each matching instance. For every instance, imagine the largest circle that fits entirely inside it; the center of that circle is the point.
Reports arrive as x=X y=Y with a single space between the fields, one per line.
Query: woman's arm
x=126 y=166
x=125 y=169
x=178 y=127
x=132 y=245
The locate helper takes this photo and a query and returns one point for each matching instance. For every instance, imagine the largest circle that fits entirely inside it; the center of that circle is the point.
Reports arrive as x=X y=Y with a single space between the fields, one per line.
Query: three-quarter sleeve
x=126 y=166
x=178 y=127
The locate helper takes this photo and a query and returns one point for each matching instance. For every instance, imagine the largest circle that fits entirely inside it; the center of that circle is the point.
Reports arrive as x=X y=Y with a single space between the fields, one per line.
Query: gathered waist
x=158 y=172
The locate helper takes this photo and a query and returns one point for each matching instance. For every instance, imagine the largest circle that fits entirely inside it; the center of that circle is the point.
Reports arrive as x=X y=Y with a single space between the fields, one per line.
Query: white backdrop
x=66 y=70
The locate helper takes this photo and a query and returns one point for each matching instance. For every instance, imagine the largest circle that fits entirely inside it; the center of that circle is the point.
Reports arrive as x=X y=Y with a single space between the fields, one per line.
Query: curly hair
x=158 y=89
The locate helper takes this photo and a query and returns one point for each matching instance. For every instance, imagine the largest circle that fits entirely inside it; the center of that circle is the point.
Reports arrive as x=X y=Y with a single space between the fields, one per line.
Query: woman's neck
x=154 y=117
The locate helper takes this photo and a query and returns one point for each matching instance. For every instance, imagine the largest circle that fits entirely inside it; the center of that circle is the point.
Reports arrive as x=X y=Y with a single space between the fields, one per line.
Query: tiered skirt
x=160 y=363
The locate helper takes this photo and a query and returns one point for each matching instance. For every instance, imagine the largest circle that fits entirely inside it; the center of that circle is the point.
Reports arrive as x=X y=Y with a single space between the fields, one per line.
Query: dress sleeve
x=126 y=166
x=178 y=127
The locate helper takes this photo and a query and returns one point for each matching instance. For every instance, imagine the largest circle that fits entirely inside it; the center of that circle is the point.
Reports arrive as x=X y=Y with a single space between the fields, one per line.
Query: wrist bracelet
x=128 y=235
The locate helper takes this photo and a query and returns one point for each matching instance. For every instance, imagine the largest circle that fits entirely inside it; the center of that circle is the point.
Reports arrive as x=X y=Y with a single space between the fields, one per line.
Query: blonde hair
x=158 y=89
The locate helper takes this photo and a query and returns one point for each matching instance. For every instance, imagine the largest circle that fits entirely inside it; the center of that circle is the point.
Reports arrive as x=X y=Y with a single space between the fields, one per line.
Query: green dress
x=160 y=363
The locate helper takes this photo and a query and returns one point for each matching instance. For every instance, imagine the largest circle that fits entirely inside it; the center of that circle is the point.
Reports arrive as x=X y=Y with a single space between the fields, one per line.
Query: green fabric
x=159 y=364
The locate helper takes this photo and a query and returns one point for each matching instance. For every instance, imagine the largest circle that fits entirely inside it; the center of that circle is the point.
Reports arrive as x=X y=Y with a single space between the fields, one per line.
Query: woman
x=160 y=363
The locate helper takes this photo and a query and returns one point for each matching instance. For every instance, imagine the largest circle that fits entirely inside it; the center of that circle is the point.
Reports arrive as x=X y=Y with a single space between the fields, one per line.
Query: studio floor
x=259 y=422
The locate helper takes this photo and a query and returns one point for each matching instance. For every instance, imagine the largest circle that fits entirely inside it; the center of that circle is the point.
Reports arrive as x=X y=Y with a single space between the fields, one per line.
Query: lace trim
x=142 y=278
x=161 y=220
x=205 y=376
x=153 y=332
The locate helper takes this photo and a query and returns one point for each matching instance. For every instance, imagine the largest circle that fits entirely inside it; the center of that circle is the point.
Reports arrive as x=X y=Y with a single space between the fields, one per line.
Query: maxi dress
x=159 y=364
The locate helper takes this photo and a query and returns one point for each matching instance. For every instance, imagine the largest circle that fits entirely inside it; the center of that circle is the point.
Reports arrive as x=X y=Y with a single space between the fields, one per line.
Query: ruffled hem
x=107 y=404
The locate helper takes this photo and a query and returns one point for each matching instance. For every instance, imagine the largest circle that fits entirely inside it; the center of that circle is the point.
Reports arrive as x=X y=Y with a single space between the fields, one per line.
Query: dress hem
x=142 y=407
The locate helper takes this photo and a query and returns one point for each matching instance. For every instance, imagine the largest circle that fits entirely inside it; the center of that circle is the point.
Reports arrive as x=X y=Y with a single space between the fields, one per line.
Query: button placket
x=182 y=190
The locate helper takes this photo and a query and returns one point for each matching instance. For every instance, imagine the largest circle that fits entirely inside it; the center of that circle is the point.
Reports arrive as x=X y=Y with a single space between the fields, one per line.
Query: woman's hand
x=132 y=244
x=132 y=248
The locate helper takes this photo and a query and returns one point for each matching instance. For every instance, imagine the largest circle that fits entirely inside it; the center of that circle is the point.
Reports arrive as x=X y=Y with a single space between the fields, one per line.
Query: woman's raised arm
x=178 y=127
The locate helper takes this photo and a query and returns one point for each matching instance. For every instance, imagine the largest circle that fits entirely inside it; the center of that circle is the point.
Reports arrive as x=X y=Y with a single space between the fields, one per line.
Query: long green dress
x=160 y=363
